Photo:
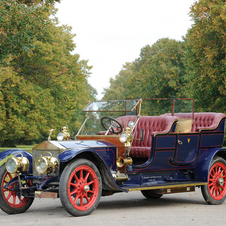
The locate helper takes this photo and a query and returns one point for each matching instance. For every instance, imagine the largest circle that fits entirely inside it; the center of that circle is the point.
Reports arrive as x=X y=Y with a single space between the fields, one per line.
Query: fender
x=28 y=155
x=107 y=179
x=202 y=168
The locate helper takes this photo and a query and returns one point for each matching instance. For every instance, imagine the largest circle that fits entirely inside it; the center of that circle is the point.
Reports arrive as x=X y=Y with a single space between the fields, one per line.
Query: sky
x=111 y=33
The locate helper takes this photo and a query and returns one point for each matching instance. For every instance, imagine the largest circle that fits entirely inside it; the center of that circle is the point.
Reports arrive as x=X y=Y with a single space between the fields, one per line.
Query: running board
x=169 y=188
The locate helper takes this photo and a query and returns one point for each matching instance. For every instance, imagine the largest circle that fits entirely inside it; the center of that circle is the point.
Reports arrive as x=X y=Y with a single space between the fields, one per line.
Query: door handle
x=179 y=142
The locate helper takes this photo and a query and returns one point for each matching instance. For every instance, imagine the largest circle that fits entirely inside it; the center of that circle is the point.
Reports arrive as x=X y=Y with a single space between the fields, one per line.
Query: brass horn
x=121 y=161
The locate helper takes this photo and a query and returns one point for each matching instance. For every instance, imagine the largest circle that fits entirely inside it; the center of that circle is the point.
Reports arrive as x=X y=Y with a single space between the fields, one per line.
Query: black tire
x=214 y=192
x=80 y=187
x=9 y=199
x=151 y=194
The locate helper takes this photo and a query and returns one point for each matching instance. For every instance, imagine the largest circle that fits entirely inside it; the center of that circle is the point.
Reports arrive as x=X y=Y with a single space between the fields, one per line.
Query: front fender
x=202 y=168
x=28 y=155
x=103 y=167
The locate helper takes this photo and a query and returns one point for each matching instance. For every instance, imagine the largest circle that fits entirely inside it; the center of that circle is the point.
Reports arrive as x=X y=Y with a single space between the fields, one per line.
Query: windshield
x=112 y=106
x=96 y=110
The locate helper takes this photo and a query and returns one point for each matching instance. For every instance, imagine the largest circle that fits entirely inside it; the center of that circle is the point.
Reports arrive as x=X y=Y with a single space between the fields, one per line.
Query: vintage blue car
x=168 y=153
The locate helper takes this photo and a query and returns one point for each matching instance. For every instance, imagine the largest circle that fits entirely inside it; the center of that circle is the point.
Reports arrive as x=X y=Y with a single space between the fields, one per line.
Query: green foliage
x=20 y=22
x=158 y=72
x=205 y=53
x=42 y=84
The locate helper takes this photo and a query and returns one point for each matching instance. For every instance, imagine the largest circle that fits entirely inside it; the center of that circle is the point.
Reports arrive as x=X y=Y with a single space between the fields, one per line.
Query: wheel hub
x=220 y=181
x=86 y=188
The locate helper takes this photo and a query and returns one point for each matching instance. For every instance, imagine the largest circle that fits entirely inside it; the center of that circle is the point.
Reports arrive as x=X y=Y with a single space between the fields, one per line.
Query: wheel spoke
x=6 y=182
x=90 y=191
x=76 y=199
x=14 y=199
x=219 y=169
x=86 y=197
x=73 y=192
x=87 y=175
x=81 y=174
x=81 y=200
x=76 y=178
x=211 y=184
x=73 y=184
x=91 y=182
x=9 y=195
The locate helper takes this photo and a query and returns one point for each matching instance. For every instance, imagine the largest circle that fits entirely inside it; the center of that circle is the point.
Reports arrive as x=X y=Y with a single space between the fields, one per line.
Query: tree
x=20 y=22
x=118 y=86
x=205 y=54
x=42 y=84
x=158 y=72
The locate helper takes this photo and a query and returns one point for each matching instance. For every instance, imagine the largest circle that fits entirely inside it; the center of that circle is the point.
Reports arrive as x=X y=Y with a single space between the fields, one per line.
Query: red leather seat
x=202 y=120
x=150 y=125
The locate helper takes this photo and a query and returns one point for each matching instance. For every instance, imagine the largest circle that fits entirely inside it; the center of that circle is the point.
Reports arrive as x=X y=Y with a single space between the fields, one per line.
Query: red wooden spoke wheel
x=216 y=181
x=83 y=188
x=80 y=187
x=215 y=190
x=10 y=199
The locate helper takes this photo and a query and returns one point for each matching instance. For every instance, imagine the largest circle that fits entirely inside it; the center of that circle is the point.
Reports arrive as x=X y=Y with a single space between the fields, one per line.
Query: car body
x=168 y=153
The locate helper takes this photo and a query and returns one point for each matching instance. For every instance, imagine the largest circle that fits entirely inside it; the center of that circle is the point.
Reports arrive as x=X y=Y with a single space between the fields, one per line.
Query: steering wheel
x=109 y=124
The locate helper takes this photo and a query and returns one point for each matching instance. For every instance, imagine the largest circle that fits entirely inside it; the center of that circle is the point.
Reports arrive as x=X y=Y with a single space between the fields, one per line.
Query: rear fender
x=107 y=179
x=28 y=155
x=203 y=166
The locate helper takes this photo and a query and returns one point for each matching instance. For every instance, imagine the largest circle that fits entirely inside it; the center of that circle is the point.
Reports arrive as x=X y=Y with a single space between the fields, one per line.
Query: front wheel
x=11 y=200
x=215 y=191
x=80 y=187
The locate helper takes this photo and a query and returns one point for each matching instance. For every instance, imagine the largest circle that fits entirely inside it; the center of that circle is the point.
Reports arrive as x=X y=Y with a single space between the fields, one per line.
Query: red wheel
x=80 y=187
x=215 y=190
x=10 y=199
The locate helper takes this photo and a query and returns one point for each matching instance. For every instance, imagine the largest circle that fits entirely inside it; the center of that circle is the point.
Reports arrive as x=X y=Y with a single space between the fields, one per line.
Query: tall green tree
x=158 y=72
x=118 y=86
x=205 y=55
x=42 y=84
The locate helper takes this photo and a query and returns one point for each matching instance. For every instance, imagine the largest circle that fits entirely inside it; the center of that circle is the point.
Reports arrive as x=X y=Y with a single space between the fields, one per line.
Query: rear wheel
x=215 y=191
x=11 y=201
x=151 y=194
x=80 y=187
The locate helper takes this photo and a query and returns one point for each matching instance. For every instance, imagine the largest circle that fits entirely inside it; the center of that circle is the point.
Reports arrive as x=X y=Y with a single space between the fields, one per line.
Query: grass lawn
x=24 y=147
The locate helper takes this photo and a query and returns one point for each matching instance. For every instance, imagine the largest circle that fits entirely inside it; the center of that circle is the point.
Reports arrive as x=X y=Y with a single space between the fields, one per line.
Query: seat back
x=208 y=120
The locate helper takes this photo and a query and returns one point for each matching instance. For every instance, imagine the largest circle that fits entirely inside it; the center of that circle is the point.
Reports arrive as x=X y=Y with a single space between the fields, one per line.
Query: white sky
x=111 y=33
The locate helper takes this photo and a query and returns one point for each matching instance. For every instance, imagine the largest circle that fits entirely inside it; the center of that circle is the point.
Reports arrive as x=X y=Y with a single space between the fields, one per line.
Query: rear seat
x=150 y=125
x=202 y=120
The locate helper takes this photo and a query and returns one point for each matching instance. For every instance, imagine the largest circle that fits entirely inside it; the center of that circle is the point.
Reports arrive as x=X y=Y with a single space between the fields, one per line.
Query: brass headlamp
x=46 y=164
x=126 y=137
x=15 y=164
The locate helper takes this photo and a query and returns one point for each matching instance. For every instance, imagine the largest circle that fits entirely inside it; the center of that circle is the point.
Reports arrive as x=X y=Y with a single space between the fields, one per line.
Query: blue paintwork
x=203 y=164
x=85 y=144
x=108 y=156
x=105 y=150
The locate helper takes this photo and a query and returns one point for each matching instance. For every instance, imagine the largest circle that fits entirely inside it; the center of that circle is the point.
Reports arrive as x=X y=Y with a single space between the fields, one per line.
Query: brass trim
x=167 y=186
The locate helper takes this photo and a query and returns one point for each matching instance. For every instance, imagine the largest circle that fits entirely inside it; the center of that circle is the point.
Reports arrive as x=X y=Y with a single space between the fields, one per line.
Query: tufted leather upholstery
x=202 y=120
x=150 y=126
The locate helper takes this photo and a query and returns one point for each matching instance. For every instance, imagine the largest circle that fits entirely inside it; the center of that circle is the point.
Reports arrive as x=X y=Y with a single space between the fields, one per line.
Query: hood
x=73 y=144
